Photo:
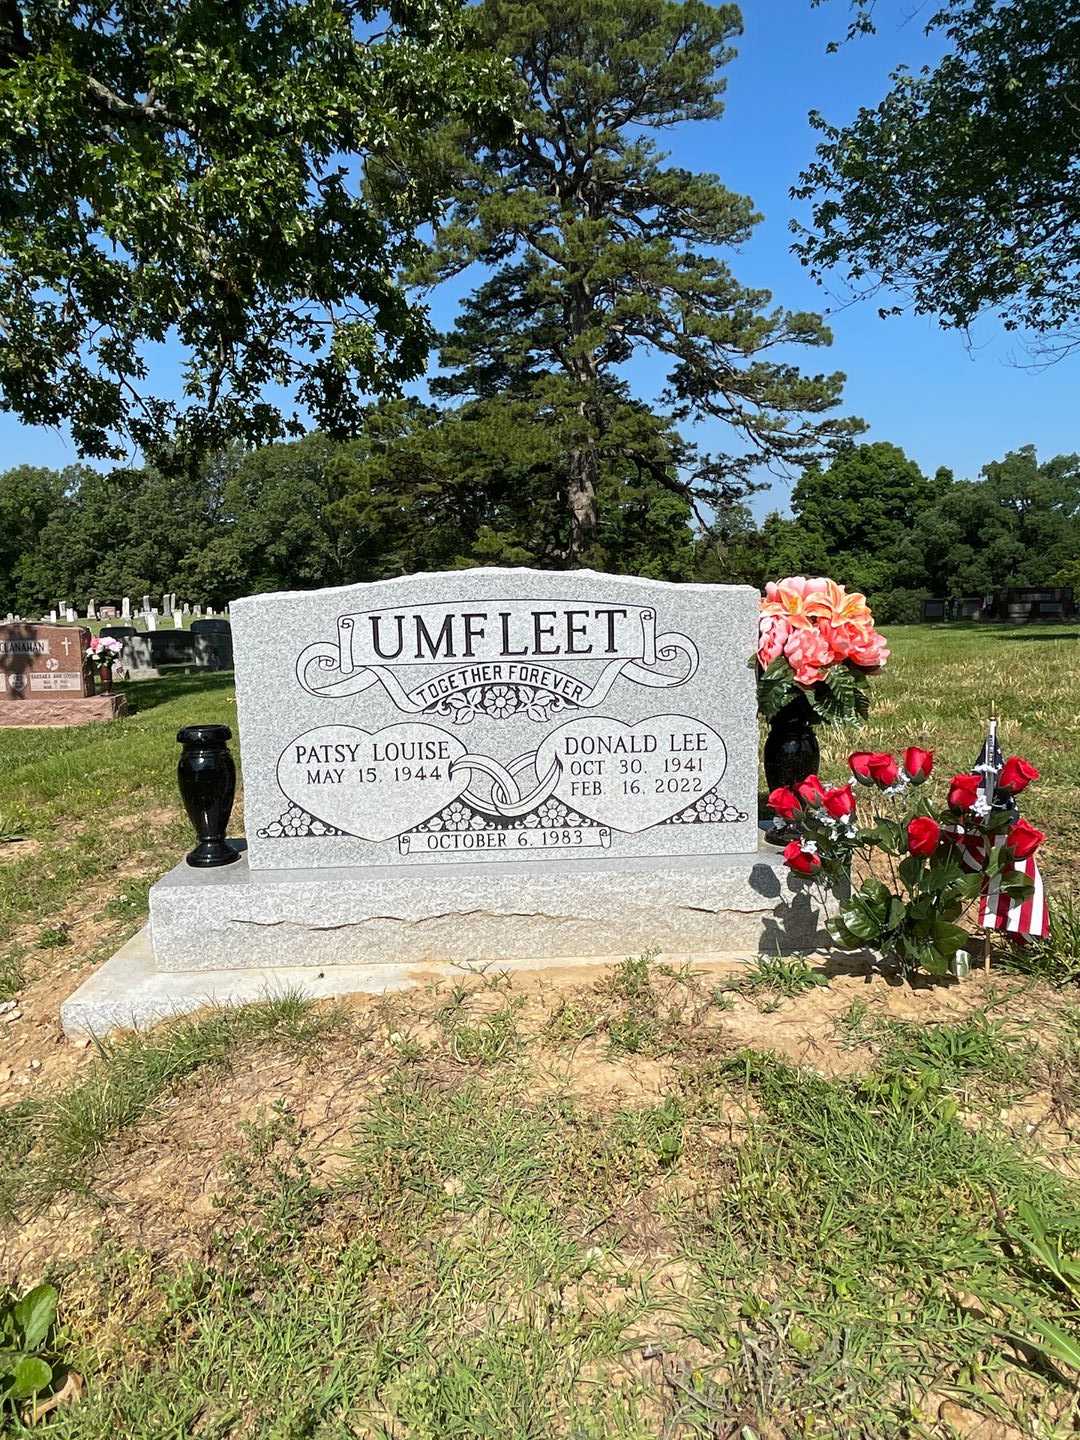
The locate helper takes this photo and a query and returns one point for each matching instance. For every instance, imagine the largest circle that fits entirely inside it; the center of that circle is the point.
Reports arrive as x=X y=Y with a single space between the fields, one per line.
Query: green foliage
x=840 y=699
x=914 y=921
x=1057 y=958
x=783 y=975
x=599 y=249
x=853 y=520
x=206 y=182
x=50 y=1145
x=958 y=190
x=26 y=1365
x=876 y=524
x=1018 y=525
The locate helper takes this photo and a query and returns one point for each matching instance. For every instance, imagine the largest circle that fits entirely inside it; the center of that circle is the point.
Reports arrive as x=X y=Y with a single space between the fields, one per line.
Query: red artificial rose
x=784 y=801
x=1016 y=775
x=884 y=769
x=918 y=763
x=1023 y=839
x=963 y=791
x=923 y=835
x=860 y=765
x=799 y=860
x=839 y=801
x=810 y=791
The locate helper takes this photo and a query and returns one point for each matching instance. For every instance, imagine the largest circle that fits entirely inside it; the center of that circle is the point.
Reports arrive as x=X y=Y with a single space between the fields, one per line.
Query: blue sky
x=945 y=399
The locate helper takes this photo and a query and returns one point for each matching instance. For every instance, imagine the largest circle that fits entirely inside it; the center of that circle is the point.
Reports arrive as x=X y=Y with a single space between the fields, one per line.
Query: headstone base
x=76 y=710
x=129 y=992
x=227 y=935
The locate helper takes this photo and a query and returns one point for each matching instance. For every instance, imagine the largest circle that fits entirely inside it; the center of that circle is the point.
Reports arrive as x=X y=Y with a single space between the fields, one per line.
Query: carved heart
x=372 y=785
x=633 y=776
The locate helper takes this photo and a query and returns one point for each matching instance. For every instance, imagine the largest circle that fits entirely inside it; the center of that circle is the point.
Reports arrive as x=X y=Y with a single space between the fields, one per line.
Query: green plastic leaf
x=911 y=870
x=34 y=1315
x=896 y=912
x=1017 y=886
x=30 y=1377
x=841 y=934
x=947 y=939
x=966 y=887
x=876 y=893
x=775 y=688
x=863 y=923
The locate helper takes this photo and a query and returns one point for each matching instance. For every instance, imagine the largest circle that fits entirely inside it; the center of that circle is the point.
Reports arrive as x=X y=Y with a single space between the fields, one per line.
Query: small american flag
x=997 y=909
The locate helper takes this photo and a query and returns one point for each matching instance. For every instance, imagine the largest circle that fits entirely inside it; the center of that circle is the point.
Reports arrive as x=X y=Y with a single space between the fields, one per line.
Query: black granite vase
x=791 y=747
x=207 y=778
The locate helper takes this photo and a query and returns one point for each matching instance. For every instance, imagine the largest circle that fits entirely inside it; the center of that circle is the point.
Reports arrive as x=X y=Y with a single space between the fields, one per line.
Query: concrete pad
x=129 y=992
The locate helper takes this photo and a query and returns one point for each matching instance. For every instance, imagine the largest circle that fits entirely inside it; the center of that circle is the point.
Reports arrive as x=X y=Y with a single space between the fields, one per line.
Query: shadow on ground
x=144 y=695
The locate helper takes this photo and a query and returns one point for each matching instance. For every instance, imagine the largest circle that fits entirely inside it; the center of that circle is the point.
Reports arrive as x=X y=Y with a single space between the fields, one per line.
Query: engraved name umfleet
x=504 y=642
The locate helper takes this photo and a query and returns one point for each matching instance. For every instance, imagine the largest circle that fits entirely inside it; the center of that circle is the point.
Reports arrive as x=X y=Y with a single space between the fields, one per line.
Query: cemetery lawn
x=744 y=1202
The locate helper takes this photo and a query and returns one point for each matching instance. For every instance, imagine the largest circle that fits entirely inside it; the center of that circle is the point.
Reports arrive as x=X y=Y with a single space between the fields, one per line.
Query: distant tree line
x=429 y=489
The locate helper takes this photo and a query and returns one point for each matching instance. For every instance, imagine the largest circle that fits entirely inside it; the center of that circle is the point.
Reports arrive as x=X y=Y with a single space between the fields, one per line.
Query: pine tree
x=598 y=250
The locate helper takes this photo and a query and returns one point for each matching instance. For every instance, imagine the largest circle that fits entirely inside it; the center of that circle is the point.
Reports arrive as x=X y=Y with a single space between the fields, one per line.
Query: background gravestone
x=46 y=679
x=44 y=661
x=219 y=635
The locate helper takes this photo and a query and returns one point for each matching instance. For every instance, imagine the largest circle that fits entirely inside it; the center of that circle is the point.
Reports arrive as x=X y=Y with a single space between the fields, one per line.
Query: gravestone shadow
x=144 y=695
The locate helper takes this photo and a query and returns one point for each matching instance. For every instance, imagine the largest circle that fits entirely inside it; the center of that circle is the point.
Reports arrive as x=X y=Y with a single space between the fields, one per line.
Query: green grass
x=97 y=799
x=49 y=1146
x=489 y=1262
x=779 y=975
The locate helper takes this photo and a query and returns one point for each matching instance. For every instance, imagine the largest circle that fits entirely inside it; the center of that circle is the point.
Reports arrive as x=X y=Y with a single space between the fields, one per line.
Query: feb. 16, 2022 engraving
x=491 y=715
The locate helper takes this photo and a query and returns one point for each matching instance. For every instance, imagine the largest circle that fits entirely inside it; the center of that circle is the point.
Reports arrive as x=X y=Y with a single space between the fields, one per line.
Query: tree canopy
x=597 y=249
x=960 y=191
x=197 y=172
x=429 y=489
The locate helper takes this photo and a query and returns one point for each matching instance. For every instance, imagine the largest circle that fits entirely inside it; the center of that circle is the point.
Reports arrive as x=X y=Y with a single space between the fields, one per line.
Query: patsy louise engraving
x=373 y=785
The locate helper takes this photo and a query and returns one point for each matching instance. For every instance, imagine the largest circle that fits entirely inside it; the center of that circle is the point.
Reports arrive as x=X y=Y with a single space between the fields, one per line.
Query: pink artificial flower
x=773 y=631
x=870 y=653
x=809 y=655
x=793 y=600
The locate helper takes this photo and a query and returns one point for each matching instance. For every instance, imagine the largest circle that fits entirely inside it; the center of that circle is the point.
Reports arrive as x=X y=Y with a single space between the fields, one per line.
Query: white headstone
x=146 y=604
x=497 y=716
x=125 y=608
x=151 y=620
x=52 y=616
x=91 y=610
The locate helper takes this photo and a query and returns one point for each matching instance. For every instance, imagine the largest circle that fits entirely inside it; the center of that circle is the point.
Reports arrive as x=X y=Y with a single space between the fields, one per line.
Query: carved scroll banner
x=508 y=658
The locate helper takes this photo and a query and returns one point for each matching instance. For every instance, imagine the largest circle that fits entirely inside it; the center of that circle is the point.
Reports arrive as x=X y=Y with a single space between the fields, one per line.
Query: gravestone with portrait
x=487 y=766
x=47 y=680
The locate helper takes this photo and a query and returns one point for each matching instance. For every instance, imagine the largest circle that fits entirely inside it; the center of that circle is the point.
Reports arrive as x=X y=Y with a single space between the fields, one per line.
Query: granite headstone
x=43 y=662
x=507 y=767
x=497 y=716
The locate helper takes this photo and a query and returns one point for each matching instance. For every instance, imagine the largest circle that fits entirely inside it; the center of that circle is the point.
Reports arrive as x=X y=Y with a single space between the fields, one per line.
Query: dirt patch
x=20 y=848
